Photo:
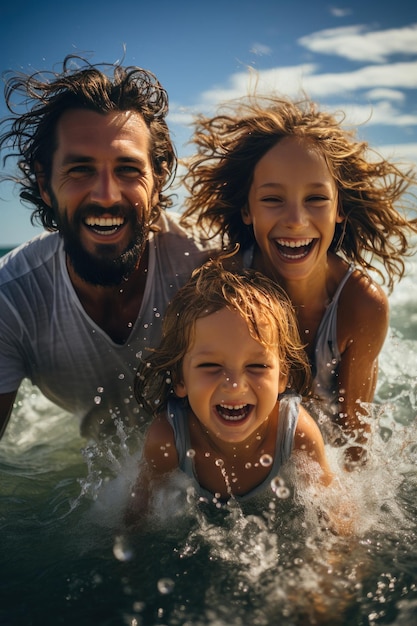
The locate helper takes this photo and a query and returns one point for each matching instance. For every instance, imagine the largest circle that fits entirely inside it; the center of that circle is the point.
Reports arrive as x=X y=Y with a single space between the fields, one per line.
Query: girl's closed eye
x=209 y=366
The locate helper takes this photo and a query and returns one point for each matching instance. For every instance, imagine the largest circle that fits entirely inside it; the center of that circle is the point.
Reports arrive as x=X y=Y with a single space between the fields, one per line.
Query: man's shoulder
x=27 y=257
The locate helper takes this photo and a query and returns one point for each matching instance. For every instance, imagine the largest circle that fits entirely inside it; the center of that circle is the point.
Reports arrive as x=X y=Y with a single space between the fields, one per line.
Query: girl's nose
x=233 y=381
x=295 y=214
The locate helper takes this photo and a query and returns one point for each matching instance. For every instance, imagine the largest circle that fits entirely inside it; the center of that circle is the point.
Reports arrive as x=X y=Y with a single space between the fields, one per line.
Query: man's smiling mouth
x=104 y=225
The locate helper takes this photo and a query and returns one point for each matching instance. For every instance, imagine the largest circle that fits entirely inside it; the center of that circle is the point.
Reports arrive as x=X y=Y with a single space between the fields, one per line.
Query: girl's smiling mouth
x=294 y=249
x=233 y=413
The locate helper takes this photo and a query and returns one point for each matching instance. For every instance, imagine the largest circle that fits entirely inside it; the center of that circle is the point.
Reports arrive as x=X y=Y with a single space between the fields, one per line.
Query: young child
x=314 y=211
x=225 y=385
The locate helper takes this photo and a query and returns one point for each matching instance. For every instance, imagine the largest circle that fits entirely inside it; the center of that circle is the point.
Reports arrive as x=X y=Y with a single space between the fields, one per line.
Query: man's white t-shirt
x=47 y=337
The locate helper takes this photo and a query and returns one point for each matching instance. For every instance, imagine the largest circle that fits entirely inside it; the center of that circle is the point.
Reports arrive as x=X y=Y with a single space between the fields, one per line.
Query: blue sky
x=356 y=55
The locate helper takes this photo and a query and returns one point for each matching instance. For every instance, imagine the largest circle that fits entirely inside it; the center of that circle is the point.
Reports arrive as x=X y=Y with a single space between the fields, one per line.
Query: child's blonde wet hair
x=260 y=302
x=230 y=144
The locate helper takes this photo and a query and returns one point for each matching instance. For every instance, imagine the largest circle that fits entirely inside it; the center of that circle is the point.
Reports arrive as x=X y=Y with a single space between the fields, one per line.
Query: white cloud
x=356 y=44
x=260 y=49
x=339 y=12
x=385 y=94
x=293 y=81
x=400 y=152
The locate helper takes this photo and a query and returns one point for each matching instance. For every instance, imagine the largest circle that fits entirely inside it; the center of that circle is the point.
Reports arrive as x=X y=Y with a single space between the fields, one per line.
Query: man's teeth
x=294 y=244
x=104 y=222
x=232 y=412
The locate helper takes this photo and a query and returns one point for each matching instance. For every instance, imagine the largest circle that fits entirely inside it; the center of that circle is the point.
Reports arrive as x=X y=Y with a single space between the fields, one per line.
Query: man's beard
x=105 y=270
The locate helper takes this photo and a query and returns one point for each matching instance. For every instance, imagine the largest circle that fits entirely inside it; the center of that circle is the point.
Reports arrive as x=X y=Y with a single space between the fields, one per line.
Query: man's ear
x=246 y=216
x=180 y=390
x=41 y=180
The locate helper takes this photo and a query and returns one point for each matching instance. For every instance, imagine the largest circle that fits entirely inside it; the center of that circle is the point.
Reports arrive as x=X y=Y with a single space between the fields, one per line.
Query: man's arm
x=6 y=406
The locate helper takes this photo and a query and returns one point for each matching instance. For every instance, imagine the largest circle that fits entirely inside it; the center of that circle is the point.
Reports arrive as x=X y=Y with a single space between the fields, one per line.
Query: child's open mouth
x=233 y=413
x=294 y=249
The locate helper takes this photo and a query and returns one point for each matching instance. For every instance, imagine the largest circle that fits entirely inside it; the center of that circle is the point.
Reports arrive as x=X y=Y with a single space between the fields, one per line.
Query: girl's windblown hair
x=372 y=190
x=261 y=303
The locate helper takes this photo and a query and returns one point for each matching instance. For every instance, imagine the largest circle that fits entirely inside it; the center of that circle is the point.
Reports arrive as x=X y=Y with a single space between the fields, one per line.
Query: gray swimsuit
x=326 y=351
x=177 y=415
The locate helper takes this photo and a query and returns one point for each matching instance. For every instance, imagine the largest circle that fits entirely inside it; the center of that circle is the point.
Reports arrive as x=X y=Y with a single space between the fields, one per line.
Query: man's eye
x=129 y=170
x=79 y=170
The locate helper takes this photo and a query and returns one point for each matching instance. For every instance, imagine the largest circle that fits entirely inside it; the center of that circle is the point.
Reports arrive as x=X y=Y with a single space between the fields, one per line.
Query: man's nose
x=106 y=189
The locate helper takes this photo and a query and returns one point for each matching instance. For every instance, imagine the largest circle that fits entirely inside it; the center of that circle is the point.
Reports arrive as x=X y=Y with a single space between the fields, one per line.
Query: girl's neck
x=315 y=291
x=246 y=450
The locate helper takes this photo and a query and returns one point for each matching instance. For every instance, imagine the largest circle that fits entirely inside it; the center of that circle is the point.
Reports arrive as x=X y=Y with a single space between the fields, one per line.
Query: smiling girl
x=229 y=351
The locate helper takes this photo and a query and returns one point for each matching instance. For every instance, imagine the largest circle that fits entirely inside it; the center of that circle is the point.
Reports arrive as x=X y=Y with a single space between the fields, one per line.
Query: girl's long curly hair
x=230 y=144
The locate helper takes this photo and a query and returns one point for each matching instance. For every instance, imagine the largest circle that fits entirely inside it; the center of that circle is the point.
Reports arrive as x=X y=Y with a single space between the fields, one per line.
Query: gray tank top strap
x=326 y=339
x=289 y=406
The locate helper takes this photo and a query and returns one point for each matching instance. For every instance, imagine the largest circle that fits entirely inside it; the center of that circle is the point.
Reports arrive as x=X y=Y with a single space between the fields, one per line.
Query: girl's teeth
x=294 y=244
x=232 y=407
x=232 y=413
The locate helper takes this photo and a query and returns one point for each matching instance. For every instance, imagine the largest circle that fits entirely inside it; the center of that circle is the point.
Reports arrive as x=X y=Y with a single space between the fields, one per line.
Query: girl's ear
x=41 y=180
x=340 y=217
x=283 y=382
x=246 y=216
x=180 y=390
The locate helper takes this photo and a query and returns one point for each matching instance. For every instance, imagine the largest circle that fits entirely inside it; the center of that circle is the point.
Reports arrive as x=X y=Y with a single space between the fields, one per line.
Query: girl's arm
x=159 y=457
x=363 y=318
x=339 y=514
x=308 y=439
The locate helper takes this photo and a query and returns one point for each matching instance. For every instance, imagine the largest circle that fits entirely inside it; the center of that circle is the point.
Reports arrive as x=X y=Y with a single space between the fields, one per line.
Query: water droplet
x=266 y=460
x=219 y=462
x=191 y=453
x=97 y=400
x=279 y=488
x=165 y=585
x=122 y=550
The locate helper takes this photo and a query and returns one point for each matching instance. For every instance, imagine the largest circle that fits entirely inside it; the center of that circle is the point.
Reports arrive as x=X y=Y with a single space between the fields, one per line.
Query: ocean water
x=64 y=559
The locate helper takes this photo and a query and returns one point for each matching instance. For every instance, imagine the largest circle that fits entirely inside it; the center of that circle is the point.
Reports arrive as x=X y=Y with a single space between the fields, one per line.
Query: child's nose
x=233 y=380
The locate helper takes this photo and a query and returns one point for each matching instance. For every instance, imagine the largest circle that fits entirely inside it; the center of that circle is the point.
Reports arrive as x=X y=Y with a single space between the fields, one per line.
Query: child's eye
x=317 y=199
x=271 y=199
x=208 y=366
x=258 y=366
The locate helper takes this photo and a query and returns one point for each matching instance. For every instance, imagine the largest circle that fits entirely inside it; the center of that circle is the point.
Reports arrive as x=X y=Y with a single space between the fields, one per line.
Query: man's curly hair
x=103 y=88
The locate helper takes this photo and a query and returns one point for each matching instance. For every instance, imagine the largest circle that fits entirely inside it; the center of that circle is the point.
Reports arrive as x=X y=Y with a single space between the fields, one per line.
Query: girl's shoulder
x=357 y=289
x=363 y=311
x=159 y=449
x=363 y=294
